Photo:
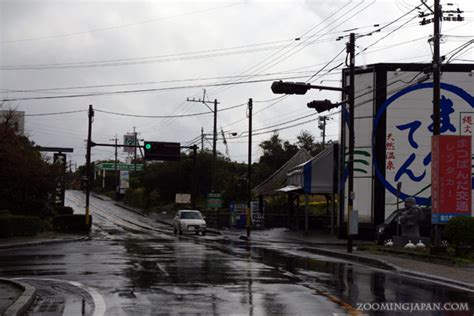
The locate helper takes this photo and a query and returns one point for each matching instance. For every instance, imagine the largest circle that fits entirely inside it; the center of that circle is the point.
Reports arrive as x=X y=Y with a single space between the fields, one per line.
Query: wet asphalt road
x=135 y=266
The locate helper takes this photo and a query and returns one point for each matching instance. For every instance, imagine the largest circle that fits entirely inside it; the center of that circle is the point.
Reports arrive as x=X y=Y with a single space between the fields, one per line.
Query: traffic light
x=321 y=106
x=280 y=87
x=162 y=151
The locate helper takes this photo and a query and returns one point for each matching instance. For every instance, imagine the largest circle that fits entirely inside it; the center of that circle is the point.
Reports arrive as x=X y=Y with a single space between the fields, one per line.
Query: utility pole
x=88 y=162
x=194 y=189
x=350 y=204
x=214 y=141
x=249 y=172
x=214 y=150
x=436 y=92
x=116 y=175
x=135 y=143
x=436 y=69
x=202 y=138
x=322 y=127
x=324 y=132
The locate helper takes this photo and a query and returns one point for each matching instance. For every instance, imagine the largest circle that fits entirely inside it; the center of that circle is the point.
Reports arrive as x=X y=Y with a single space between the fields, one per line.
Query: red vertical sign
x=451 y=184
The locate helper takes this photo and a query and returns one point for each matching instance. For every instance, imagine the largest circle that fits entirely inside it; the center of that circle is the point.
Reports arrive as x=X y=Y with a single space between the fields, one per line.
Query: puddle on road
x=200 y=270
x=354 y=283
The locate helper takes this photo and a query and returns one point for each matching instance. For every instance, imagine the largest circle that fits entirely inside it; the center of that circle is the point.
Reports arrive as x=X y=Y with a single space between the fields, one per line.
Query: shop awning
x=290 y=188
x=317 y=175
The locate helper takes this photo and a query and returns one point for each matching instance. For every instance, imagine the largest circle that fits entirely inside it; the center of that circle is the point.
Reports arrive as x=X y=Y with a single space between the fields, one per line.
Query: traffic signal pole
x=280 y=87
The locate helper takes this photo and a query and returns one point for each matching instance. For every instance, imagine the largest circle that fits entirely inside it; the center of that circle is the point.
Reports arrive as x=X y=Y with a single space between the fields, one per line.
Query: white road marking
x=162 y=269
x=99 y=303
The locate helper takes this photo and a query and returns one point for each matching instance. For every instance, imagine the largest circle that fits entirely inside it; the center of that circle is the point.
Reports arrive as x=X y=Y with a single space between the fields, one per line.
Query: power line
x=379 y=29
x=288 y=51
x=146 y=82
x=168 y=116
x=115 y=27
x=133 y=61
x=93 y=94
x=408 y=83
x=55 y=113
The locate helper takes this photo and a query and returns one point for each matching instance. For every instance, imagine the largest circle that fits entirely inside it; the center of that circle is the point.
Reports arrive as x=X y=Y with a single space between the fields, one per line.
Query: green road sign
x=214 y=200
x=120 y=166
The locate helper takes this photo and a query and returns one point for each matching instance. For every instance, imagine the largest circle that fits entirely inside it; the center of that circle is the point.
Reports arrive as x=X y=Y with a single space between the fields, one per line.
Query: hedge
x=14 y=225
x=460 y=231
x=5 y=213
x=63 y=210
x=71 y=223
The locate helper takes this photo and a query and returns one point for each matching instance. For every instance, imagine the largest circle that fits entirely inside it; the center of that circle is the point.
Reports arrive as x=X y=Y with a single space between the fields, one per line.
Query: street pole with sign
x=88 y=163
x=249 y=175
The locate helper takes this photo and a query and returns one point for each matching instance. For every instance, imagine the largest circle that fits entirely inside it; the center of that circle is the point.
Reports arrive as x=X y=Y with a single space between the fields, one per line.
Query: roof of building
x=278 y=179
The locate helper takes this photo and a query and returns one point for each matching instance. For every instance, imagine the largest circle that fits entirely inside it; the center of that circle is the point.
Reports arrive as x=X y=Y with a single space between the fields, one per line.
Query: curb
x=98 y=196
x=43 y=242
x=379 y=263
x=434 y=278
x=23 y=303
x=352 y=257
x=131 y=209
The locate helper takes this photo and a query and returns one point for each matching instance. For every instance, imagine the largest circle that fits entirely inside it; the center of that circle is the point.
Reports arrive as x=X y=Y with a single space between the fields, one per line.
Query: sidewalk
x=15 y=297
x=8 y=295
x=42 y=238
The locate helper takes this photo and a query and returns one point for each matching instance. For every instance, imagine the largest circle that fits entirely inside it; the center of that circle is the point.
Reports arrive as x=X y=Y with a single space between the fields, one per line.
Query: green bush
x=5 y=213
x=460 y=231
x=63 y=210
x=71 y=223
x=135 y=197
x=12 y=225
x=110 y=194
x=153 y=199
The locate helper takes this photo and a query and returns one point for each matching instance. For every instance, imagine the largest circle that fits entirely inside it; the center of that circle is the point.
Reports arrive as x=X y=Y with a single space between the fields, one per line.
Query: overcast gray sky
x=175 y=49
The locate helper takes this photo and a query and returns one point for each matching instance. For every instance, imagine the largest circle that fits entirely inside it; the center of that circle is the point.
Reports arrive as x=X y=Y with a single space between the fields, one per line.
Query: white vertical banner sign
x=124 y=180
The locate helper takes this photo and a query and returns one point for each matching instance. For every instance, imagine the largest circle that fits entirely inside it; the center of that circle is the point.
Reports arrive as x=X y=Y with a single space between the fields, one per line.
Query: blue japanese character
x=404 y=169
x=446 y=108
x=413 y=126
x=427 y=159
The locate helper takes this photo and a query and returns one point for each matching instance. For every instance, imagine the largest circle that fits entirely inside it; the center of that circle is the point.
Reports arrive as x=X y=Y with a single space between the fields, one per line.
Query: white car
x=189 y=221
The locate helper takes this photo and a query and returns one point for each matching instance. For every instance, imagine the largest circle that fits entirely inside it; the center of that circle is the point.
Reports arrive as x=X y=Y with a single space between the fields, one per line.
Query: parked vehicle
x=388 y=228
x=189 y=221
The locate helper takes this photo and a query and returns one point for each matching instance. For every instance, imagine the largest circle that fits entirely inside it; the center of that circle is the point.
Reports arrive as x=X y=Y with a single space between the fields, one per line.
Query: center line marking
x=162 y=269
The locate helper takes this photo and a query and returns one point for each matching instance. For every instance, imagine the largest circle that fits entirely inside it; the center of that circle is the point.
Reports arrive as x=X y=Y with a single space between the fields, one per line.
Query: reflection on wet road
x=138 y=267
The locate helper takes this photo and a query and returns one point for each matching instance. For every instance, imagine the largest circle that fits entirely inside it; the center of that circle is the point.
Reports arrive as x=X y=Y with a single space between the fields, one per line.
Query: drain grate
x=50 y=305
